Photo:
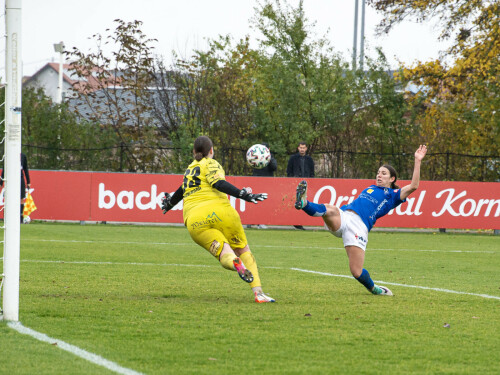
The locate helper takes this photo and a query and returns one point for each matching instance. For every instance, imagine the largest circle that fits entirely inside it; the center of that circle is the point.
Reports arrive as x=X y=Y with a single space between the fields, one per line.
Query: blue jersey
x=373 y=203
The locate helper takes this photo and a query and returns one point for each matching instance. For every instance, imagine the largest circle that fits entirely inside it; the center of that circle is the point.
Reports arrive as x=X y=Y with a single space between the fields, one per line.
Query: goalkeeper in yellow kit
x=211 y=220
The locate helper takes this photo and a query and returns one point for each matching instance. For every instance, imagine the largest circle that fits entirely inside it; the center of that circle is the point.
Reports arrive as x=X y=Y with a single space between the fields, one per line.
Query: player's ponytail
x=202 y=146
x=393 y=173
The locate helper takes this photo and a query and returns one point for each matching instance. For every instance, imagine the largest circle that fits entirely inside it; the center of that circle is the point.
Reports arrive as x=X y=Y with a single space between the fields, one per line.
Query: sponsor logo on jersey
x=369 y=191
x=374 y=215
x=212 y=216
x=360 y=238
x=192 y=191
x=211 y=219
x=369 y=197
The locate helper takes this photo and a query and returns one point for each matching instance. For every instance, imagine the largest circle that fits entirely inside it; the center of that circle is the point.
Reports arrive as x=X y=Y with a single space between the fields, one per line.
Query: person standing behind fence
x=25 y=174
x=300 y=165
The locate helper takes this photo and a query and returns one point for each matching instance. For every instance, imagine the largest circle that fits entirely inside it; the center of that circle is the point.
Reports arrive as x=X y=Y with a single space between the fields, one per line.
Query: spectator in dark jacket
x=269 y=170
x=300 y=164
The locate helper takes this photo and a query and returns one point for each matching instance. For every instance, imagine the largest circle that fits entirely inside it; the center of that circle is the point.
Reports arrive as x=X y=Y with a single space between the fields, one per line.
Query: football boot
x=381 y=290
x=244 y=273
x=301 y=197
x=260 y=297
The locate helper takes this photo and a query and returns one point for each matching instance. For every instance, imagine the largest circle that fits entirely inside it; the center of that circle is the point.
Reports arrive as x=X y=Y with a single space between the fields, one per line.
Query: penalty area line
x=115 y=263
x=91 y=357
x=403 y=285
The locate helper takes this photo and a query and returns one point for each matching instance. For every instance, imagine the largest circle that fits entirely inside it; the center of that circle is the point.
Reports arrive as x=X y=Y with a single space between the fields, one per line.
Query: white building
x=48 y=79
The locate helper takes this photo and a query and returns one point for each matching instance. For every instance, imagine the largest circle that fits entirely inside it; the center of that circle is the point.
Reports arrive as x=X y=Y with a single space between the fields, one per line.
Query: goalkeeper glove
x=246 y=195
x=166 y=205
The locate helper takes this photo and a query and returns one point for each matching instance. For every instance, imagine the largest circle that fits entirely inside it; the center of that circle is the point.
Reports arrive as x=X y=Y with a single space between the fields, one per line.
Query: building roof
x=90 y=84
x=53 y=66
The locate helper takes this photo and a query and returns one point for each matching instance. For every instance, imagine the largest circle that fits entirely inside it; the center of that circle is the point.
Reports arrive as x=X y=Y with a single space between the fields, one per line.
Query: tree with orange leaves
x=460 y=99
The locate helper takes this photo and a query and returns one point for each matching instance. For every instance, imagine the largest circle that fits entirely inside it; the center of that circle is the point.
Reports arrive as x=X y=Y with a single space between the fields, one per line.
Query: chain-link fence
x=328 y=164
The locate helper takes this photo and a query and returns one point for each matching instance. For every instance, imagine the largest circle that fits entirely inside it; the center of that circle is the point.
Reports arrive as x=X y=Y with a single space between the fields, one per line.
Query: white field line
x=116 y=263
x=91 y=357
x=281 y=268
x=264 y=246
x=403 y=285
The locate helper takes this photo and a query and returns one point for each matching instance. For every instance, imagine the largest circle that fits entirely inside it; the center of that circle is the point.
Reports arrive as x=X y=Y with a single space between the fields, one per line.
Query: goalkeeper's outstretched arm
x=170 y=201
x=245 y=193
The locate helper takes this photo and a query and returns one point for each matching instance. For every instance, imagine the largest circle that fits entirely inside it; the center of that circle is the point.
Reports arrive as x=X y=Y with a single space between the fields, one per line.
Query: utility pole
x=59 y=47
x=355 y=41
x=362 y=38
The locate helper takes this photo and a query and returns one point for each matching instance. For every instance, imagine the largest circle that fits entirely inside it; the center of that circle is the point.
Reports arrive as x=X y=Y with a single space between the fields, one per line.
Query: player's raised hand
x=165 y=203
x=258 y=197
x=246 y=195
x=421 y=151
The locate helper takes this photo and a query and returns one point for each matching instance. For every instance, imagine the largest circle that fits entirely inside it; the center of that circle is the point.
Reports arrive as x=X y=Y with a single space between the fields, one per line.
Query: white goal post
x=12 y=162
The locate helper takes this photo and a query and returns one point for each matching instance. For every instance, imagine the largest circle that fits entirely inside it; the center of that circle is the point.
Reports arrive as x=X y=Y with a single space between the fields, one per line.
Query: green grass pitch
x=151 y=300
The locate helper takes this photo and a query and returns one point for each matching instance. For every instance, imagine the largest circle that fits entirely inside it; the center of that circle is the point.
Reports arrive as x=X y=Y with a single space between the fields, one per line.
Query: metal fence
x=446 y=166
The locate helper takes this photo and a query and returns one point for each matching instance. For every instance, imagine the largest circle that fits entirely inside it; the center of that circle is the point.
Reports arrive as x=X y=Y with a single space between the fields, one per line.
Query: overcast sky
x=184 y=25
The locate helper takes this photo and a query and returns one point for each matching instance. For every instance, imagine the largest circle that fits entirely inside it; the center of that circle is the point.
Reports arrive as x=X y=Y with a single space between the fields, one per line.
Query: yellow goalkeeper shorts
x=212 y=225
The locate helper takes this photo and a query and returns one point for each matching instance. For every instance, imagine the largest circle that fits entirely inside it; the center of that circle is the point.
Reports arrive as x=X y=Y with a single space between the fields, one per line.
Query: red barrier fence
x=127 y=197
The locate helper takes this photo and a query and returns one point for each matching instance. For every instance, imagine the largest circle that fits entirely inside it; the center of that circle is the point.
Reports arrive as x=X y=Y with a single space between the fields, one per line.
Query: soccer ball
x=258 y=156
x=26 y=220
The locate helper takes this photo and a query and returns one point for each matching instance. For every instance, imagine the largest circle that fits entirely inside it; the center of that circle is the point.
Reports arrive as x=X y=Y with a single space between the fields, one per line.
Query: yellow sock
x=250 y=263
x=226 y=261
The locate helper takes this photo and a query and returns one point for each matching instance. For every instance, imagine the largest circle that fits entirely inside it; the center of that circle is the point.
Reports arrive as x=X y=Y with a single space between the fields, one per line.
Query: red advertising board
x=127 y=197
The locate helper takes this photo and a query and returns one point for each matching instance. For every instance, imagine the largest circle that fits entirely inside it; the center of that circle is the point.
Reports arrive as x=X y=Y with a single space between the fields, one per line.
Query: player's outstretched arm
x=170 y=201
x=415 y=180
x=245 y=193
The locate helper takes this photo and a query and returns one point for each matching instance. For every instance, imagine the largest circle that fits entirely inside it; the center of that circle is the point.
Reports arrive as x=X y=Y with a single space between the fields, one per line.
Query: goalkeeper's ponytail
x=202 y=146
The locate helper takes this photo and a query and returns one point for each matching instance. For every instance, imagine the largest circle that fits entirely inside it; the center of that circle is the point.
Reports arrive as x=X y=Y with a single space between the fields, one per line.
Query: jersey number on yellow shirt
x=191 y=179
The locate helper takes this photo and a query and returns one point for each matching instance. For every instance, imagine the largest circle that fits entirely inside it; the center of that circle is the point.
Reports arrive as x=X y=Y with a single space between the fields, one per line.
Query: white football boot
x=260 y=297
x=381 y=290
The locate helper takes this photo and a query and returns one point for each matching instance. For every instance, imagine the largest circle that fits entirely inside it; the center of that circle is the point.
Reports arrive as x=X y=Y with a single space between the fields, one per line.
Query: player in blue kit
x=353 y=221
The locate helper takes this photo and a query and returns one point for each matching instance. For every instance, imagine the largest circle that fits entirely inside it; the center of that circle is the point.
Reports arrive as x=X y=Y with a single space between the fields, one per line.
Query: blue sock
x=366 y=280
x=314 y=209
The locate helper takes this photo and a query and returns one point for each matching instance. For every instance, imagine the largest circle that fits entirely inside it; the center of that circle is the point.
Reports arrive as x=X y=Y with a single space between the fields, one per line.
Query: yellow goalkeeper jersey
x=198 y=180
